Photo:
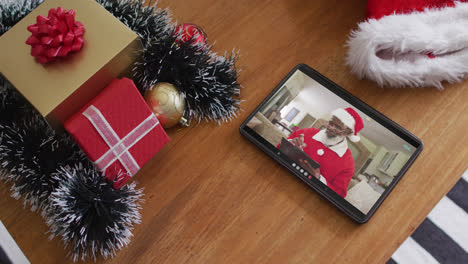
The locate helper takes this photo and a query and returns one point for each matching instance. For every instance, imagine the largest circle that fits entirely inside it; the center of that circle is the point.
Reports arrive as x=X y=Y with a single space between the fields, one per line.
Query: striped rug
x=443 y=236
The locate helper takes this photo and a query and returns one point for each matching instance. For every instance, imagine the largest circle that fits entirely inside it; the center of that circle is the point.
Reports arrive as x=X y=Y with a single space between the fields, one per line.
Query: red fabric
x=357 y=119
x=337 y=171
x=124 y=108
x=55 y=35
x=380 y=8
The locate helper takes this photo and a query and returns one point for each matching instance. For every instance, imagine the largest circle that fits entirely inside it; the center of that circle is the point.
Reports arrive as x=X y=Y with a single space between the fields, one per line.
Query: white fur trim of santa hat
x=354 y=138
x=440 y=32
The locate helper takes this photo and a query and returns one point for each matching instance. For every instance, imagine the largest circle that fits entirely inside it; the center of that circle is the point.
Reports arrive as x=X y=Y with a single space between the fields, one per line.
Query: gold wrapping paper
x=61 y=88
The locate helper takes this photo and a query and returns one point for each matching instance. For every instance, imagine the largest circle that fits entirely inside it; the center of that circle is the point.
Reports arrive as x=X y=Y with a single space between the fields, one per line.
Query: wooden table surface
x=213 y=197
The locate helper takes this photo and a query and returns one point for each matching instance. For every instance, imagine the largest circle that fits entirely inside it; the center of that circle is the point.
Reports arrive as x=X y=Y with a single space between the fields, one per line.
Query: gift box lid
x=123 y=107
x=94 y=66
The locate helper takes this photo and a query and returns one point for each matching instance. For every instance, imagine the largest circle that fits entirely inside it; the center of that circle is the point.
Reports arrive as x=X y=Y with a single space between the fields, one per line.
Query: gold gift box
x=61 y=88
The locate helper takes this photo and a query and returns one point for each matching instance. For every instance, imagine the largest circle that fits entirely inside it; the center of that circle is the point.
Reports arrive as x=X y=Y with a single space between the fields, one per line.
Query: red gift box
x=118 y=131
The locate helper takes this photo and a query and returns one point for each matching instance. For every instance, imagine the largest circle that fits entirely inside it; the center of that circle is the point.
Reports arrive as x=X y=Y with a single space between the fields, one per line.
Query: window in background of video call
x=302 y=103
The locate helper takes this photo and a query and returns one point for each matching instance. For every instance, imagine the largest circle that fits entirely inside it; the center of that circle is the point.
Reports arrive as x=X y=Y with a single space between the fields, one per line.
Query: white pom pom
x=320 y=152
x=354 y=138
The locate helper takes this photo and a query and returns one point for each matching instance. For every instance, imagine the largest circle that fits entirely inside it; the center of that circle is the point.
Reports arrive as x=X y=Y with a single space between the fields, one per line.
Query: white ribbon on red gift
x=118 y=148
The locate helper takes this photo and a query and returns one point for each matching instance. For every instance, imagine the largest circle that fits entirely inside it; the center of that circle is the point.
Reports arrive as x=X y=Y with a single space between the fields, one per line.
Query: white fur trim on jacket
x=440 y=32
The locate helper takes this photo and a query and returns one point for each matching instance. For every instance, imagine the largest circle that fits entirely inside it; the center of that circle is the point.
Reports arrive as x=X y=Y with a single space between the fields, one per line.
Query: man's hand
x=298 y=141
x=306 y=165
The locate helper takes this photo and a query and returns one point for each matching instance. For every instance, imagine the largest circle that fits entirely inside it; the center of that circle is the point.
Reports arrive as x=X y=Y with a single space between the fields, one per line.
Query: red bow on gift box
x=56 y=35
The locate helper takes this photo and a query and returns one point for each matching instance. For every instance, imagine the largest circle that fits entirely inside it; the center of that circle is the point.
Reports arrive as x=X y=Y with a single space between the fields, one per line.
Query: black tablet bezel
x=315 y=184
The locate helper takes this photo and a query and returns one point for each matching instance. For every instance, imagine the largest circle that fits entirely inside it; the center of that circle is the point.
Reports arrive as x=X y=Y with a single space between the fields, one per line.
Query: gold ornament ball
x=166 y=102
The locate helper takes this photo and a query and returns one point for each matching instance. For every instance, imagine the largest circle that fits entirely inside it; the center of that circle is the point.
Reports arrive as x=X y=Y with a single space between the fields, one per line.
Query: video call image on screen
x=310 y=118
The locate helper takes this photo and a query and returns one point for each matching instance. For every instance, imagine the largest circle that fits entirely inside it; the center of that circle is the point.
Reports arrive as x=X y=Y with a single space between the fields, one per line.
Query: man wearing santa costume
x=330 y=149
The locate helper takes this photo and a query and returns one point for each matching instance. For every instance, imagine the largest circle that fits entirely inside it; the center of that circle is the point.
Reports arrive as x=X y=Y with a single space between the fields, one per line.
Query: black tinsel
x=207 y=81
x=13 y=106
x=51 y=173
x=30 y=153
x=147 y=21
x=13 y=11
x=90 y=215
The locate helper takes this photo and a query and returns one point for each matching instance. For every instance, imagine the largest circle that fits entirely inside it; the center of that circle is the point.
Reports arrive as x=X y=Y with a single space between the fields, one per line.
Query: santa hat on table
x=411 y=42
x=351 y=119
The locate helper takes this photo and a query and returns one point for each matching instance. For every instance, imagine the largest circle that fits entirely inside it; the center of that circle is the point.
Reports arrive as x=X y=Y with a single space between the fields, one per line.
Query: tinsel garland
x=13 y=106
x=50 y=172
x=41 y=167
x=13 y=11
x=90 y=214
x=207 y=81
x=31 y=153
x=149 y=22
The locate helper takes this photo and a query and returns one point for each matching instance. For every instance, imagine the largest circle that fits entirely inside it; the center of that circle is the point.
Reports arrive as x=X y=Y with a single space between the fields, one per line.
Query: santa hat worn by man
x=411 y=42
x=351 y=119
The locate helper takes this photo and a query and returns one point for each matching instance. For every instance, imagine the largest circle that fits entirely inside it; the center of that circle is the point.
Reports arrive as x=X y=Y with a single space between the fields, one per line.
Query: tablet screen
x=360 y=152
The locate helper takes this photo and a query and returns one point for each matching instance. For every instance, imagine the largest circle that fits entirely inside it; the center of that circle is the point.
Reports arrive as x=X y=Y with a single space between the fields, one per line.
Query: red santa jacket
x=337 y=171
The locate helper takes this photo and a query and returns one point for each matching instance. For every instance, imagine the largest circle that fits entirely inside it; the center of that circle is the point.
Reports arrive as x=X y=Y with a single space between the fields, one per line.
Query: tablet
x=360 y=153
